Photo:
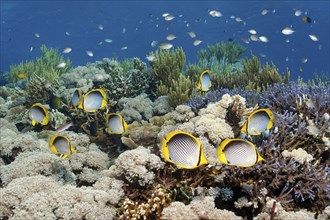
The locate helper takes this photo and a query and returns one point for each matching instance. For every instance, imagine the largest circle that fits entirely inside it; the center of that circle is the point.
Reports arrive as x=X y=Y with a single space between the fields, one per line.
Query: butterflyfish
x=238 y=152
x=93 y=100
x=61 y=146
x=76 y=98
x=115 y=124
x=204 y=83
x=38 y=114
x=183 y=149
x=258 y=122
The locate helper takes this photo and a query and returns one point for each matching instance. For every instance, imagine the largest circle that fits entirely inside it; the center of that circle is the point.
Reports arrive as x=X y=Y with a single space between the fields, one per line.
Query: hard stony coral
x=150 y=209
x=37 y=197
x=197 y=209
x=142 y=108
x=143 y=134
x=137 y=167
x=274 y=210
x=84 y=78
x=13 y=143
x=127 y=79
x=32 y=157
x=136 y=109
x=57 y=118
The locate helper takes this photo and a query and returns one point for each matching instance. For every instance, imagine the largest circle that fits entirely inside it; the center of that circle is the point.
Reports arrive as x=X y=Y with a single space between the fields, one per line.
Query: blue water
x=52 y=19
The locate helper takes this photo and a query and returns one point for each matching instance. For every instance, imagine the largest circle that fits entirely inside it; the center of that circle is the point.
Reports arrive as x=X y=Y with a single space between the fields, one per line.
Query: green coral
x=45 y=66
x=168 y=66
x=180 y=91
x=249 y=75
x=232 y=51
x=253 y=77
x=168 y=72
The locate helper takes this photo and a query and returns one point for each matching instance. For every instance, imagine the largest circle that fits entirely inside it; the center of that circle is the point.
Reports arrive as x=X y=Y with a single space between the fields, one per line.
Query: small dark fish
x=64 y=127
x=55 y=102
x=230 y=39
x=93 y=127
x=307 y=19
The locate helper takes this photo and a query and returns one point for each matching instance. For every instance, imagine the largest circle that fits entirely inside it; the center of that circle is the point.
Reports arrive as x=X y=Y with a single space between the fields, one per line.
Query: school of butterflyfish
x=178 y=147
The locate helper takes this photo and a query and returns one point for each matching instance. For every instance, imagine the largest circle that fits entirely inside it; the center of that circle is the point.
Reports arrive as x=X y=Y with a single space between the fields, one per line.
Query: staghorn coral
x=197 y=209
x=37 y=197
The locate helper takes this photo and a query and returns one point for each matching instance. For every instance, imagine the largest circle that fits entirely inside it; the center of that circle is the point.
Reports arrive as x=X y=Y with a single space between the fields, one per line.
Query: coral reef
x=230 y=50
x=125 y=177
x=137 y=166
x=128 y=79
x=142 y=108
x=170 y=79
x=44 y=67
x=197 y=209
x=41 y=197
